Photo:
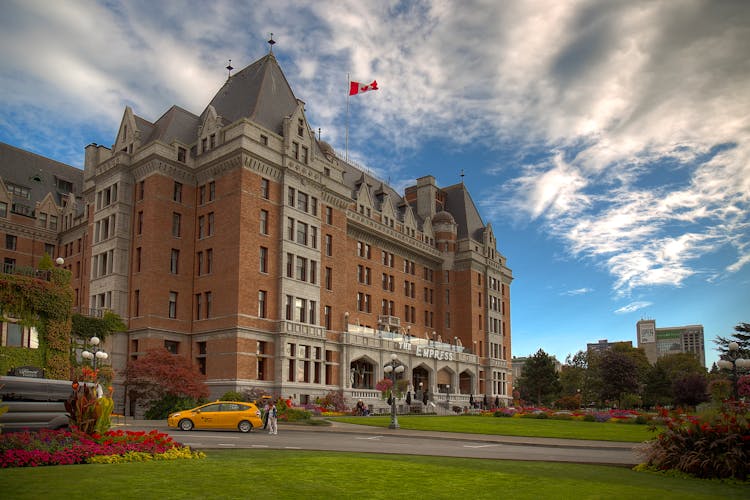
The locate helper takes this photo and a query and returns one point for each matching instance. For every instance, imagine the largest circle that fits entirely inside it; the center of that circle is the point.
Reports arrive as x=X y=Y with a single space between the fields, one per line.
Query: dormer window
x=300 y=126
x=204 y=145
x=212 y=141
x=181 y=153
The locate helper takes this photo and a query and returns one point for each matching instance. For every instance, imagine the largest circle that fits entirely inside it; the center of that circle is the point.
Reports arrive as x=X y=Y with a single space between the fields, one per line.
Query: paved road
x=359 y=438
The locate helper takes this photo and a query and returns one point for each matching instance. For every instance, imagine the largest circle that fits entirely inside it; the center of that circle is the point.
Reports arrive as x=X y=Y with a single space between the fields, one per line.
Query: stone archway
x=420 y=375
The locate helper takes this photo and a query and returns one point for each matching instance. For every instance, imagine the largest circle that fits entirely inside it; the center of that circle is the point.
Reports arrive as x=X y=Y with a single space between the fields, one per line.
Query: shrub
x=716 y=445
x=501 y=413
x=232 y=396
x=542 y=416
x=294 y=415
x=169 y=404
x=589 y=418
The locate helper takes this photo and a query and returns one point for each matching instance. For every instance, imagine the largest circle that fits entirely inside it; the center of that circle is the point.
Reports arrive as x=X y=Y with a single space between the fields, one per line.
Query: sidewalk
x=341 y=427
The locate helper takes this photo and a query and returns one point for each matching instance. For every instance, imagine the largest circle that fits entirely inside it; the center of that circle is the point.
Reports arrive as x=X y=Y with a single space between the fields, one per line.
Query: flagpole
x=346 y=140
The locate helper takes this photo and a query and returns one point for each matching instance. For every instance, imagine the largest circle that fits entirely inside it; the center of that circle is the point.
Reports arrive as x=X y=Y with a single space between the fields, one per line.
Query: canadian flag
x=358 y=88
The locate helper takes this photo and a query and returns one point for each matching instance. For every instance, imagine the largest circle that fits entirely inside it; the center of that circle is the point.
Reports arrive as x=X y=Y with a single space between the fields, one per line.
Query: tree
x=539 y=380
x=741 y=335
x=668 y=371
x=160 y=373
x=619 y=374
x=690 y=390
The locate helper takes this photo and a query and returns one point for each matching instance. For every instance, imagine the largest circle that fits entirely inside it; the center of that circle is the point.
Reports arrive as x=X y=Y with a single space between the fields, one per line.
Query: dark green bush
x=169 y=404
x=542 y=416
x=232 y=396
x=589 y=418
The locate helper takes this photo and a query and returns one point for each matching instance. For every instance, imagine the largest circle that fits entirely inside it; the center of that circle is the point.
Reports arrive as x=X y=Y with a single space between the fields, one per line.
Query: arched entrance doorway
x=361 y=374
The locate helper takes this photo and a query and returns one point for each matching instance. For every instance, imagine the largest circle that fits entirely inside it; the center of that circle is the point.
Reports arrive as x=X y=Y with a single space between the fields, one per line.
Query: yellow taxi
x=218 y=415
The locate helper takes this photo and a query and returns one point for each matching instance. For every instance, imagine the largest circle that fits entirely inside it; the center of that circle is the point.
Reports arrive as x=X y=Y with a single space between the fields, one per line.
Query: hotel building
x=239 y=240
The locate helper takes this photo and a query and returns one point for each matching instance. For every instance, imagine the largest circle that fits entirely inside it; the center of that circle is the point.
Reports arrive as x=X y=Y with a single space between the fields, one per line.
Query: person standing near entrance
x=266 y=408
x=273 y=420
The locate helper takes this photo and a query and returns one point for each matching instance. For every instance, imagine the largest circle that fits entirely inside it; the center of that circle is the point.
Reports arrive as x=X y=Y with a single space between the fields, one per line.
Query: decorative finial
x=229 y=69
x=318 y=133
x=271 y=42
x=462 y=176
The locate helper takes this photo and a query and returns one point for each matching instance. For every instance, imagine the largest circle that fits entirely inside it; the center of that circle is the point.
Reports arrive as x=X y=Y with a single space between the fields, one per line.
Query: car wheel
x=186 y=425
x=245 y=426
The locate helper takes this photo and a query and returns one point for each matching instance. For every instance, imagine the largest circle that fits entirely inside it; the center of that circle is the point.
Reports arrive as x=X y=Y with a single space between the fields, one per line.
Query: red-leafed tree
x=160 y=373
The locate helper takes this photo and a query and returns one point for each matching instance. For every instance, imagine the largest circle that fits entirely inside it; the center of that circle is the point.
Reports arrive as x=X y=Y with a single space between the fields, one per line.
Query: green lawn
x=251 y=474
x=531 y=427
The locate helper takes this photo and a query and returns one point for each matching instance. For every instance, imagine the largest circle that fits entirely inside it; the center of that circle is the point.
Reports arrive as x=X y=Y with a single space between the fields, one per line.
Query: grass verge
x=528 y=427
x=332 y=475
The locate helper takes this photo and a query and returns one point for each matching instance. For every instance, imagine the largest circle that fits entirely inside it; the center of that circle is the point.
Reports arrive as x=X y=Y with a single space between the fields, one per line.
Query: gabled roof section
x=259 y=92
x=175 y=124
x=461 y=207
x=39 y=175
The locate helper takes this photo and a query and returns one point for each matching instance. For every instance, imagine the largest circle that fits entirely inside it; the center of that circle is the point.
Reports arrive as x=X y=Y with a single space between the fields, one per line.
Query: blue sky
x=608 y=143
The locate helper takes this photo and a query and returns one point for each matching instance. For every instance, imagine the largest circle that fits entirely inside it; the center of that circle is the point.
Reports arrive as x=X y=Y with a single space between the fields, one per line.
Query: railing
x=90 y=311
x=40 y=274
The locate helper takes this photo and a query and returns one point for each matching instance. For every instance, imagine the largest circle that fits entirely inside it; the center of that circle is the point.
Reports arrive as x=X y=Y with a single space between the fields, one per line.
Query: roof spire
x=271 y=42
x=229 y=69
x=462 y=176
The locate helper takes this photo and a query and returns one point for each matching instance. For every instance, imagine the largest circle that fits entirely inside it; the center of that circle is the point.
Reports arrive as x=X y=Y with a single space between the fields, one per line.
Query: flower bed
x=32 y=449
x=618 y=416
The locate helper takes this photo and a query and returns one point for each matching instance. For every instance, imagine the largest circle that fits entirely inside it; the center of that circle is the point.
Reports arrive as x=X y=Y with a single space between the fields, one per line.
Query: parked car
x=34 y=403
x=218 y=415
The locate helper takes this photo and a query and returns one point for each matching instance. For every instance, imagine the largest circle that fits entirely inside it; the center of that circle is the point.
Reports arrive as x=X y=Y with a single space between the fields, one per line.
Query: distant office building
x=517 y=364
x=658 y=342
x=605 y=345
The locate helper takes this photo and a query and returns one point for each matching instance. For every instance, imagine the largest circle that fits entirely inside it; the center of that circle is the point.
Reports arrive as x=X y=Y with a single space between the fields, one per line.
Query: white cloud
x=578 y=291
x=632 y=307
x=593 y=98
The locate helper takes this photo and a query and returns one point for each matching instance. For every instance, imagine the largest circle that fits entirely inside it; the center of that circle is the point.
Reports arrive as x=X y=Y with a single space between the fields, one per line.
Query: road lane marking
x=479 y=445
x=292 y=448
x=259 y=446
x=227 y=444
x=369 y=438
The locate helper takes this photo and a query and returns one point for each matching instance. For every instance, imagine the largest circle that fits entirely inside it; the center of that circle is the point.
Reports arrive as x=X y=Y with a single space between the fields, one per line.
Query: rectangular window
x=176 y=224
x=299 y=309
x=172 y=346
x=177 y=192
x=328 y=278
x=172 y=305
x=212 y=140
x=141 y=189
x=181 y=154
x=264 y=222
x=202 y=195
x=10 y=242
x=301 y=233
x=290 y=228
x=204 y=145
x=295 y=150
x=209 y=260
x=313 y=237
x=302 y=201
x=139 y=225
x=201 y=226
x=263 y=259
x=174 y=261
x=210 y=223
x=327 y=317
x=199 y=262
x=329 y=245
x=304 y=154
x=198 y=303
x=301 y=270
x=262 y=294
x=265 y=186
x=288 y=308
x=137 y=303
x=264 y=139
x=329 y=215
x=312 y=312
x=313 y=272
x=3 y=209
x=289 y=265
x=211 y=191
x=291 y=193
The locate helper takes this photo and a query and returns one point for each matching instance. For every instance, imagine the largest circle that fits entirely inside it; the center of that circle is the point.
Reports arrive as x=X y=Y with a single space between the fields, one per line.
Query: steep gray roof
x=259 y=92
x=176 y=123
x=354 y=177
x=460 y=205
x=39 y=174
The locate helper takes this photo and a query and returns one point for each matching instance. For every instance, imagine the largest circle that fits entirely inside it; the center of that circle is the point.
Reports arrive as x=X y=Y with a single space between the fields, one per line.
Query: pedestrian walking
x=266 y=408
x=273 y=420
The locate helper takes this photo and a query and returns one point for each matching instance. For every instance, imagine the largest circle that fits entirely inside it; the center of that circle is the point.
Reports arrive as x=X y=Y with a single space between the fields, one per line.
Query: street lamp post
x=734 y=362
x=96 y=353
x=448 y=393
x=391 y=369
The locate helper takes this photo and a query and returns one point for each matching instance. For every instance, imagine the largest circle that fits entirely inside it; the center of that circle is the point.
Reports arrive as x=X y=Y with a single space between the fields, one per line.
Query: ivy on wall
x=43 y=304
